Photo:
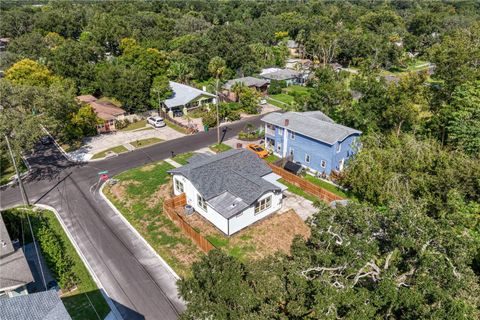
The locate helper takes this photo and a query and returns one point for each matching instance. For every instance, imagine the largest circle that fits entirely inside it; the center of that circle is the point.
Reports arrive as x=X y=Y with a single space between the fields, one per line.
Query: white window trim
x=177 y=184
x=292 y=135
x=280 y=131
x=262 y=205
x=201 y=202
x=307 y=156
x=339 y=147
x=323 y=163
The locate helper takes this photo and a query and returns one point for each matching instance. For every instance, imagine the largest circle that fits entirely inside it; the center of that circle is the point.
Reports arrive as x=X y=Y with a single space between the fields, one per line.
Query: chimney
x=204 y=88
x=286 y=122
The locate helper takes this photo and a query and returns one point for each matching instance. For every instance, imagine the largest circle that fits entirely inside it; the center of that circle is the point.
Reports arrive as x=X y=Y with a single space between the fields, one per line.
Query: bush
x=276 y=86
x=209 y=119
x=120 y=124
x=57 y=259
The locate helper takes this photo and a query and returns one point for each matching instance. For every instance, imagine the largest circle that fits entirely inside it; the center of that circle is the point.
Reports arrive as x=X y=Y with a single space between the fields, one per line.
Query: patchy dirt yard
x=263 y=238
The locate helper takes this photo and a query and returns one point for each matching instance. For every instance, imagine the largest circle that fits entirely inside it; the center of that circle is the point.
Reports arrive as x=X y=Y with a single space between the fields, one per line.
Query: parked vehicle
x=177 y=113
x=258 y=150
x=156 y=121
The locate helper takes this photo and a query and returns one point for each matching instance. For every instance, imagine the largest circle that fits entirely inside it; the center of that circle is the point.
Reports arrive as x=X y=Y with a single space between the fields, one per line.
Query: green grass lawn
x=145 y=142
x=117 y=149
x=183 y=157
x=175 y=127
x=327 y=186
x=298 y=191
x=283 y=97
x=78 y=302
x=302 y=90
x=219 y=147
x=277 y=104
x=139 y=196
x=135 y=125
x=271 y=158
x=7 y=170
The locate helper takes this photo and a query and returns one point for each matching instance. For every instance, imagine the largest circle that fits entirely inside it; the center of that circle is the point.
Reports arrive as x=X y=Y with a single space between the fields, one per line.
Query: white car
x=156 y=121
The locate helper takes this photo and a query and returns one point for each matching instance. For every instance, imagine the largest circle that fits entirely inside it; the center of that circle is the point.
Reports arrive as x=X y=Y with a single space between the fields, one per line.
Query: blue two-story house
x=311 y=139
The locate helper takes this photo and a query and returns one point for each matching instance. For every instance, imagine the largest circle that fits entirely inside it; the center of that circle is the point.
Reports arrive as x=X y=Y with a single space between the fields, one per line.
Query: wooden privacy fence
x=169 y=208
x=307 y=186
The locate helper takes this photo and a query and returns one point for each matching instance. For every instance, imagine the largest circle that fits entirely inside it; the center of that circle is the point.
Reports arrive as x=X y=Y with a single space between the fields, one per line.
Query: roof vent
x=286 y=122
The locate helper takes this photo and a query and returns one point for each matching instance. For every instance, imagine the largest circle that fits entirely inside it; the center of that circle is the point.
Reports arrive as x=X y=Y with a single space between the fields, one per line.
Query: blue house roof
x=314 y=124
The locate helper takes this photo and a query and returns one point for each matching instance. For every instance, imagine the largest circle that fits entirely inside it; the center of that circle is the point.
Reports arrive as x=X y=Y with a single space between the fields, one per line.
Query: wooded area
x=408 y=248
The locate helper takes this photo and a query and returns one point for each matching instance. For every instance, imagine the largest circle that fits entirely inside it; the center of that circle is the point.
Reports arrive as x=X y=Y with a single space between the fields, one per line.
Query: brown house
x=105 y=110
x=260 y=85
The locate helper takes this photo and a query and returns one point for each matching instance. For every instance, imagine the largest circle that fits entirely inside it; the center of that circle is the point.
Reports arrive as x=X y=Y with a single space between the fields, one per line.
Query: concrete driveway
x=96 y=144
x=303 y=207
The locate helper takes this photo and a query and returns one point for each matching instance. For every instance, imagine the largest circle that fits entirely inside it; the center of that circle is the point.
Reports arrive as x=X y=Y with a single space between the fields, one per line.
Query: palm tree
x=217 y=67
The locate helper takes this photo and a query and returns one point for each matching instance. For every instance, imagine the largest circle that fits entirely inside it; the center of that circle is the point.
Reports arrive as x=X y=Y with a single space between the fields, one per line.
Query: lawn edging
x=135 y=231
x=113 y=308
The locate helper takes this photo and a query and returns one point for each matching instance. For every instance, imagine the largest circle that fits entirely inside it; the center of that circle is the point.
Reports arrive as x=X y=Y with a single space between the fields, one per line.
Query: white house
x=185 y=98
x=232 y=189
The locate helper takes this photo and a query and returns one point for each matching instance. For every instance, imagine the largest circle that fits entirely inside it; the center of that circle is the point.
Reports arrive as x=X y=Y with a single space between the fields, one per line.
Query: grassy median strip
x=183 y=157
x=84 y=300
x=220 y=147
x=103 y=154
x=145 y=142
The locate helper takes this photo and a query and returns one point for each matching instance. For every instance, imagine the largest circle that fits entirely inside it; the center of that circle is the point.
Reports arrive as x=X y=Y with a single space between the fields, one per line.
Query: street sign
x=103 y=172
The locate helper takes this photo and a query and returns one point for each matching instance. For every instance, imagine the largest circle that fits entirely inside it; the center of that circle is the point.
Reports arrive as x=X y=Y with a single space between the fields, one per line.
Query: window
x=291 y=152
x=178 y=186
x=323 y=164
x=263 y=205
x=292 y=135
x=279 y=147
x=280 y=131
x=339 y=147
x=307 y=158
x=201 y=202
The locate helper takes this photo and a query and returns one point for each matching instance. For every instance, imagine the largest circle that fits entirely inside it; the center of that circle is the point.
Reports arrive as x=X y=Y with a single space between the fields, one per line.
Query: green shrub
x=56 y=257
x=120 y=124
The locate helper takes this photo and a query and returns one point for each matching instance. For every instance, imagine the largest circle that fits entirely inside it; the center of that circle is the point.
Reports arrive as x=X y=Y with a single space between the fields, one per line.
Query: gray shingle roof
x=311 y=125
x=282 y=74
x=227 y=177
x=14 y=269
x=247 y=81
x=183 y=94
x=44 y=305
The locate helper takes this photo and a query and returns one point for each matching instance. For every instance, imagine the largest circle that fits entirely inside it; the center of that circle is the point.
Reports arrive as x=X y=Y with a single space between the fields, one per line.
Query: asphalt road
x=132 y=276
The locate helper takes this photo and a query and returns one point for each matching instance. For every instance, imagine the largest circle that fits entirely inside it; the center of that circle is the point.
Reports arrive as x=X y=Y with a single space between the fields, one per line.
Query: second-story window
x=280 y=131
x=307 y=158
x=339 y=147
x=292 y=135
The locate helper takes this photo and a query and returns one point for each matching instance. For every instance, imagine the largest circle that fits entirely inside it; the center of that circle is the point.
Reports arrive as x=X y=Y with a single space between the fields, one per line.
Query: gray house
x=232 y=189
x=185 y=97
x=288 y=75
x=44 y=305
x=15 y=273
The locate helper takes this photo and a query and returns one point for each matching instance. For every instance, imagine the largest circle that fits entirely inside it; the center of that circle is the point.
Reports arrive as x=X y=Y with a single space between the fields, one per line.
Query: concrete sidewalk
x=99 y=143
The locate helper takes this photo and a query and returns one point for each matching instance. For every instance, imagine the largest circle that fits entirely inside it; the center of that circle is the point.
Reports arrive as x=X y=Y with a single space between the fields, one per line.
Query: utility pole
x=20 y=183
x=218 y=119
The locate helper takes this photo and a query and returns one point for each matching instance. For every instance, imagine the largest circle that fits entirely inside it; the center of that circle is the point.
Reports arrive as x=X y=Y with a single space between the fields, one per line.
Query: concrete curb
x=110 y=303
x=66 y=155
x=136 y=232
